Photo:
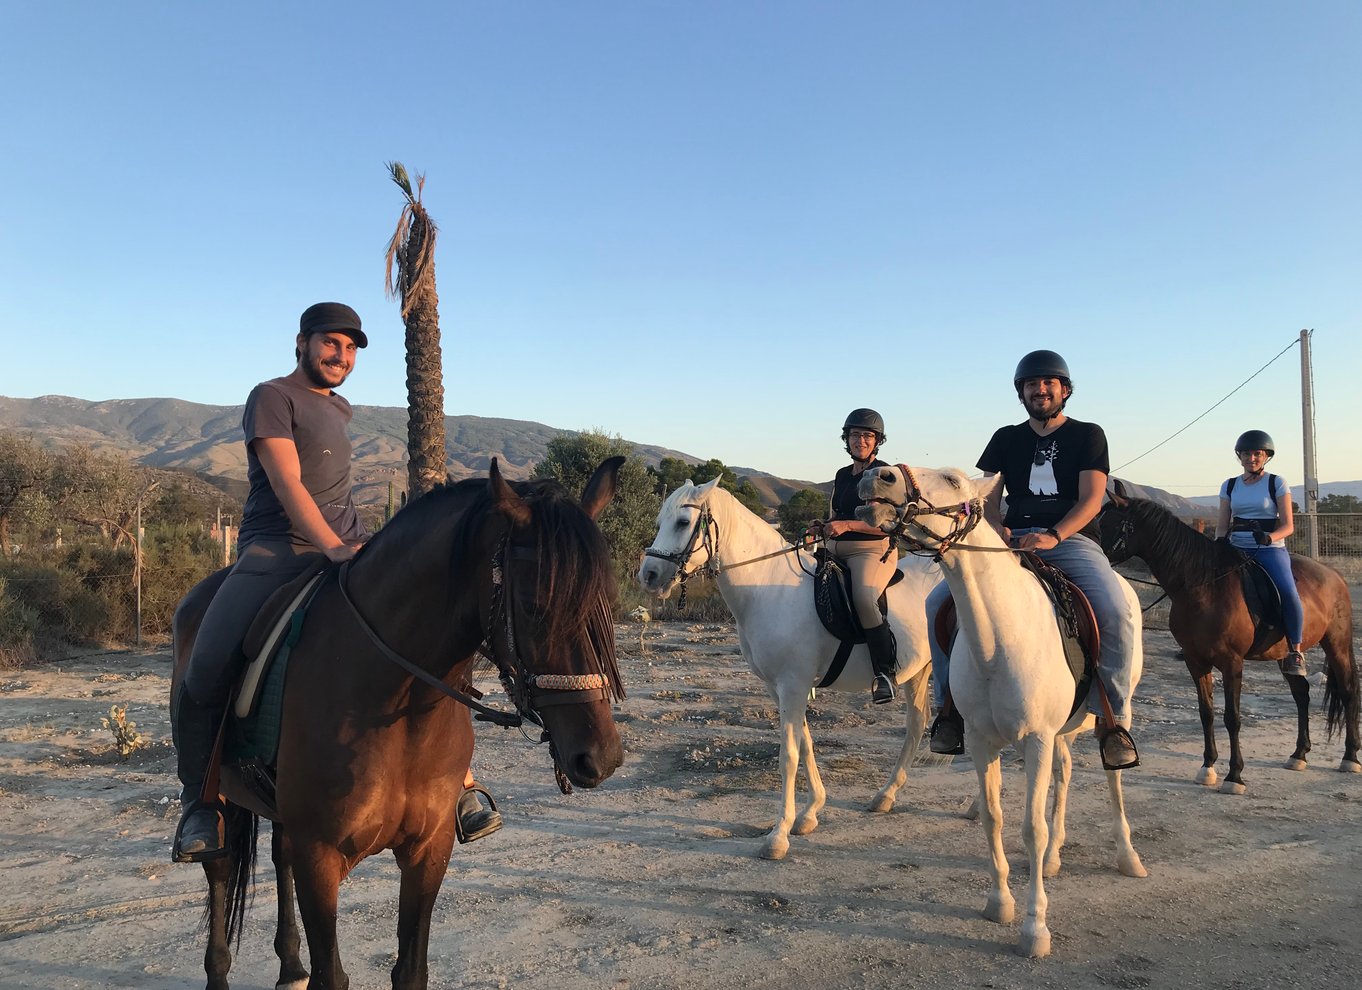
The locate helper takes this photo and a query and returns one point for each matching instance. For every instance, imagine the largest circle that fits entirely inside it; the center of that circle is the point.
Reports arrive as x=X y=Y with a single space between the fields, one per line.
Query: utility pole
x=1308 y=429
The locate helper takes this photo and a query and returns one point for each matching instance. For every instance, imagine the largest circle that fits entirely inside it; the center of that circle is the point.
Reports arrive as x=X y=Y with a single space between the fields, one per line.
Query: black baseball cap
x=337 y=317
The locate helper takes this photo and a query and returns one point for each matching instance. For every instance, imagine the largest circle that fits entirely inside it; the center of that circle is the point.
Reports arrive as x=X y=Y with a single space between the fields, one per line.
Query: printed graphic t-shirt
x=1040 y=474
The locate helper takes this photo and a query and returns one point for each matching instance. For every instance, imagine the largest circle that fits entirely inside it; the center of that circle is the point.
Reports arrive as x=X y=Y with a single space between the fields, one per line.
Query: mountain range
x=206 y=440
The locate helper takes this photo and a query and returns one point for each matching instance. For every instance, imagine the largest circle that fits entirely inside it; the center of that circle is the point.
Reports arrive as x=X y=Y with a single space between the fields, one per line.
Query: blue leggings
x=1277 y=562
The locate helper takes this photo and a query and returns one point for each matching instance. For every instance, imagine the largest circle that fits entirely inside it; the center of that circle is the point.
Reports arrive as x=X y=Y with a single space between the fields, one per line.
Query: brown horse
x=372 y=753
x=1211 y=621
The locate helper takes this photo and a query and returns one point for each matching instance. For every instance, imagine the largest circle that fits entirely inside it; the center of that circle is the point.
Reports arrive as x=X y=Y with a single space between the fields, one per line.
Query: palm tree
x=410 y=277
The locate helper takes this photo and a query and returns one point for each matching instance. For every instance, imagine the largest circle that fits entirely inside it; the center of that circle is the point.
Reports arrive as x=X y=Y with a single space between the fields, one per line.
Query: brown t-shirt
x=318 y=426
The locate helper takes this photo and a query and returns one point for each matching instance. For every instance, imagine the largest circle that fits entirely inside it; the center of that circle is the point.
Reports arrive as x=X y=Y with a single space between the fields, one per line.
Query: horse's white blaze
x=782 y=638
x=1010 y=683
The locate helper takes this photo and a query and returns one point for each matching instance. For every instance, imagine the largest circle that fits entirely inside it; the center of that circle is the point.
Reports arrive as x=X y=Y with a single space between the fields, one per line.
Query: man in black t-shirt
x=1055 y=474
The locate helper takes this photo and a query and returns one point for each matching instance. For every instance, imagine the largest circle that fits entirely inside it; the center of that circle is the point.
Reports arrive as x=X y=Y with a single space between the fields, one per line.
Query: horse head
x=686 y=540
x=552 y=628
x=1117 y=526
x=933 y=509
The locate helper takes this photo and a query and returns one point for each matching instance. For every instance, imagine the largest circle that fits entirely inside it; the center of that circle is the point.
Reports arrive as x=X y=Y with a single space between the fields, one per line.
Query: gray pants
x=869 y=577
x=218 y=660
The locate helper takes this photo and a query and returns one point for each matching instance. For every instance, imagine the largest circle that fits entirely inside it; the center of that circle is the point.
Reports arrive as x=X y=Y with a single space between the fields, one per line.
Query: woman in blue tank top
x=1256 y=516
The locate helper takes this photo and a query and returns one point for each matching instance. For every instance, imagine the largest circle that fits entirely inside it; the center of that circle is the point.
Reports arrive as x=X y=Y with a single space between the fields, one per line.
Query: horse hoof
x=1233 y=787
x=882 y=805
x=804 y=824
x=298 y=984
x=775 y=849
x=1350 y=766
x=1050 y=868
x=1295 y=764
x=1207 y=777
x=1131 y=867
x=972 y=812
x=999 y=911
x=1034 y=946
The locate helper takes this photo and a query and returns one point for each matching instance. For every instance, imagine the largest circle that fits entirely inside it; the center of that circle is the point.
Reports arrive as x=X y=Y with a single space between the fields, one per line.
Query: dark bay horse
x=373 y=757
x=1211 y=622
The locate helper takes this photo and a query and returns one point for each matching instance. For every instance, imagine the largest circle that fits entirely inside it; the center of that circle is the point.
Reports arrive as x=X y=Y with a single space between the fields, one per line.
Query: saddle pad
x=287 y=600
x=1264 y=603
x=832 y=602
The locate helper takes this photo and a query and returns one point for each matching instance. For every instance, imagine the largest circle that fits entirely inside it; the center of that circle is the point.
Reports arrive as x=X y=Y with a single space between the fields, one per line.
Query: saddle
x=1264 y=603
x=833 y=603
x=1073 y=615
x=251 y=738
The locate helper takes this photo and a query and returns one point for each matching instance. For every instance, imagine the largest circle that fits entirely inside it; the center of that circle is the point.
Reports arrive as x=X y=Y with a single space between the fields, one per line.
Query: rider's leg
x=1085 y=564
x=1277 y=562
x=214 y=666
x=870 y=571
x=948 y=728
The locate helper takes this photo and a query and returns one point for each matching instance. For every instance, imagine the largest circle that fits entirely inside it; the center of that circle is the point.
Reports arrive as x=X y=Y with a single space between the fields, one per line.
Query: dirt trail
x=652 y=881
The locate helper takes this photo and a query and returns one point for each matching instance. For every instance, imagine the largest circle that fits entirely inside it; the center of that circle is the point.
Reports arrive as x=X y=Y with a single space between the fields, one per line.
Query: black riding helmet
x=1042 y=364
x=1255 y=440
x=864 y=419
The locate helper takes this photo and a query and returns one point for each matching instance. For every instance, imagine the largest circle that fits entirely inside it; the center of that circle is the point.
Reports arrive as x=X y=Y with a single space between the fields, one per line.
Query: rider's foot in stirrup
x=948 y=734
x=1294 y=664
x=199 y=836
x=882 y=690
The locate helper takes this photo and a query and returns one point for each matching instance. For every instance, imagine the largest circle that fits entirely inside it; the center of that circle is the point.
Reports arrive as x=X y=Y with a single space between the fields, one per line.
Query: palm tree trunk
x=425 y=395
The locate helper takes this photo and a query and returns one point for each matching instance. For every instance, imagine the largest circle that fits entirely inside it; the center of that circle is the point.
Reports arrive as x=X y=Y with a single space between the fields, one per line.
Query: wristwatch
x=1055 y=533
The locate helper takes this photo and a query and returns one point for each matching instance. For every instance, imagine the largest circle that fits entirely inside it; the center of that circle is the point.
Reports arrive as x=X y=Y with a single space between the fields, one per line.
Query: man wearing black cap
x=300 y=506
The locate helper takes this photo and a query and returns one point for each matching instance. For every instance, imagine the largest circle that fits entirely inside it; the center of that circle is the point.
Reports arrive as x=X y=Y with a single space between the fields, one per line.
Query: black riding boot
x=948 y=731
x=882 y=660
x=195 y=730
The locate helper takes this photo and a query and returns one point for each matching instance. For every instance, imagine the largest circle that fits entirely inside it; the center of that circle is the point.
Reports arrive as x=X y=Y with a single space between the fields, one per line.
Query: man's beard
x=1044 y=413
x=315 y=372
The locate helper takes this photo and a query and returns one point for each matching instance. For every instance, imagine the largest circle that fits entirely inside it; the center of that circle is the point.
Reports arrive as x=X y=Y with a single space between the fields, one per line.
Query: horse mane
x=1168 y=539
x=577 y=587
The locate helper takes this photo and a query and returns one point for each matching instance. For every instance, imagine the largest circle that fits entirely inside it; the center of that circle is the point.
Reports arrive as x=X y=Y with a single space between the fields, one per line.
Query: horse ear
x=507 y=502
x=985 y=485
x=708 y=486
x=601 y=488
x=1119 y=496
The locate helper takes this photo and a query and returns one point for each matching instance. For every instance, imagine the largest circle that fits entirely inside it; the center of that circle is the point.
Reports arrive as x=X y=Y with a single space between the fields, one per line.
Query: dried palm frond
x=409 y=265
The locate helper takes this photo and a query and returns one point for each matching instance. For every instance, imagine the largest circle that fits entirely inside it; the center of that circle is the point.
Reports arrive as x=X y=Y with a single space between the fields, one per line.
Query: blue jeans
x=1277 y=562
x=1117 y=623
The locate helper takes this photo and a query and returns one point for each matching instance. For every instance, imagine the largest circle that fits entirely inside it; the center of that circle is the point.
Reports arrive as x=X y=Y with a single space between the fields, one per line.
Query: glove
x=1261 y=538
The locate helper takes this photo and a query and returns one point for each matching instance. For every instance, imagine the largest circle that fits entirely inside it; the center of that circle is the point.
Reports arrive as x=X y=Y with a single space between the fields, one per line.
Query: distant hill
x=1326 y=488
x=206 y=440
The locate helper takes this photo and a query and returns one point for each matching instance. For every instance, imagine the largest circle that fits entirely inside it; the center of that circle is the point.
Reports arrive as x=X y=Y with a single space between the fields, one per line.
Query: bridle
x=706 y=535
x=964 y=517
x=528 y=691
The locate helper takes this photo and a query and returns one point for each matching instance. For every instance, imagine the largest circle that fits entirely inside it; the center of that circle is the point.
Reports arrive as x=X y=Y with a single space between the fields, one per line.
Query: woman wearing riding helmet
x=1256 y=516
x=863 y=548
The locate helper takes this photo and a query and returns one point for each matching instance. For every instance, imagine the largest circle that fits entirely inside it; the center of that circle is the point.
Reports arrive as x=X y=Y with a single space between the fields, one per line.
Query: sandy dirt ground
x=653 y=880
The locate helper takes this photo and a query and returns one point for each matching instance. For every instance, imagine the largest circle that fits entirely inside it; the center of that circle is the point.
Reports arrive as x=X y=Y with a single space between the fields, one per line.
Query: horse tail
x=242 y=831
x=1342 y=690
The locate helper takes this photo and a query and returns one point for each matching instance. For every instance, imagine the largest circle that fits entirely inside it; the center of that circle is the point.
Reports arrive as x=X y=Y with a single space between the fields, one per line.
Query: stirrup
x=177 y=853
x=1293 y=664
x=480 y=822
x=1122 y=736
x=882 y=690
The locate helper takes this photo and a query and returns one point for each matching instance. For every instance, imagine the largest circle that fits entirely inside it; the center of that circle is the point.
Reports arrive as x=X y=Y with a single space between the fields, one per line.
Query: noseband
x=705 y=534
x=964 y=517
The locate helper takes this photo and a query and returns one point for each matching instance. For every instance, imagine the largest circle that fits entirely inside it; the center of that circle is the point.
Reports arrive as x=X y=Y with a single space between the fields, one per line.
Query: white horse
x=704 y=528
x=1008 y=675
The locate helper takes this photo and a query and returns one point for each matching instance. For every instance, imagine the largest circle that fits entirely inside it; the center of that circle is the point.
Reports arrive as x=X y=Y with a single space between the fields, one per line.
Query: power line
x=1208 y=411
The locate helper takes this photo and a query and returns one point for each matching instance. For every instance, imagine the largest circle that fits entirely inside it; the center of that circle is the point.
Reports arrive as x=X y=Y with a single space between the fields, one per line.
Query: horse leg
x=217 y=958
x=818 y=795
x=1059 y=809
x=423 y=868
x=1341 y=698
x=292 y=972
x=1300 y=692
x=1039 y=751
x=1127 y=859
x=999 y=906
x=1205 y=703
x=318 y=870
x=1234 y=684
x=915 y=722
x=792 y=728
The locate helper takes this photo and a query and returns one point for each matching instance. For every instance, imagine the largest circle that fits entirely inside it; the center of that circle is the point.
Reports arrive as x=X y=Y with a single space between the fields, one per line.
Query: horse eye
x=681 y=524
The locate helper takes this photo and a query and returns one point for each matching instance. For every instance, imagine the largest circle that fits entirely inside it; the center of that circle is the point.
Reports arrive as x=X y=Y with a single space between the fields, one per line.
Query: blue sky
x=711 y=226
